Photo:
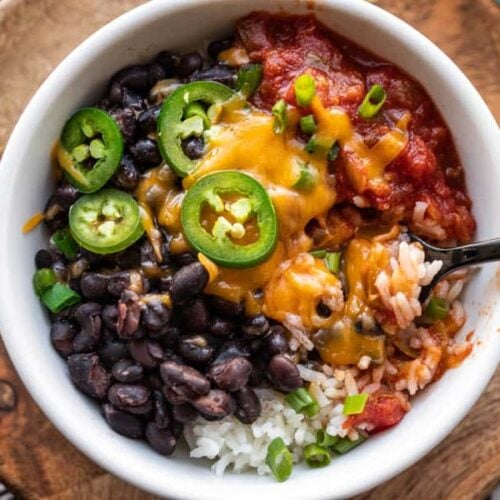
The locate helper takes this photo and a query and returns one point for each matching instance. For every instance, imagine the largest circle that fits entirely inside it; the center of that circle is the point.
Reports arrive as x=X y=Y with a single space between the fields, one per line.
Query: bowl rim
x=130 y=21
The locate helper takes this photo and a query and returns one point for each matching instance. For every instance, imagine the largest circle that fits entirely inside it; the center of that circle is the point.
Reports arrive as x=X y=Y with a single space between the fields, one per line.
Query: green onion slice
x=318 y=254
x=437 y=309
x=44 y=279
x=59 y=297
x=279 y=459
x=373 y=102
x=280 y=116
x=307 y=124
x=305 y=88
x=332 y=261
x=324 y=439
x=317 y=456
x=355 y=404
x=344 y=445
x=334 y=152
x=302 y=402
x=65 y=243
x=248 y=79
x=308 y=177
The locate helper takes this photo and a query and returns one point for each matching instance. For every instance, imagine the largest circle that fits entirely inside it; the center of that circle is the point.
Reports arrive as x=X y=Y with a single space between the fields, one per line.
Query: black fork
x=457 y=257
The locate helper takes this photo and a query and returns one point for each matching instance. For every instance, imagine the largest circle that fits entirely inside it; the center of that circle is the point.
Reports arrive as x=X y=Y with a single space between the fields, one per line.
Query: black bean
x=133 y=101
x=189 y=63
x=124 y=423
x=161 y=440
x=193 y=147
x=156 y=316
x=219 y=73
x=215 y=405
x=284 y=374
x=156 y=72
x=129 y=316
x=153 y=380
x=133 y=77
x=43 y=258
x=146 y=153
x=183 y=380
x=221 y=327
x=146 y=352
x=132 y=398
x=169 y=61
x=188 y=282
x=146 y=121
x=248 y=405
x=112 y=351
x=255 y=325
x=110 y=317
x=276 y=341
x=231 y=374
x=257 y=377
x=195 y=349
x=161 y=413
x=184 y=259
x=127 y=176
x=170 y=337
x=127 y=371
x=118 y=283
x=125 y=118
x=128 y=258
x=115 y=94
x=225 y=307
x=61 y=335
x=94 y=286
x=232 y=349
x=217 y=46
x=60 y=269
x=195 y=316
x=183 y=413
x=88 y=374
x=164 y=283
x=89 y=317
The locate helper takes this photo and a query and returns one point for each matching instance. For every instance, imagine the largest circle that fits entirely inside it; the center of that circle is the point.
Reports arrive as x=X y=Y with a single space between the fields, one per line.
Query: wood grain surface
x=35 y=460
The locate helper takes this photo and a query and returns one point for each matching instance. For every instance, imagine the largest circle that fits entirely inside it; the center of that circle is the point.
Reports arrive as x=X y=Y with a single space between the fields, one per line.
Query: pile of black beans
x=155 y=367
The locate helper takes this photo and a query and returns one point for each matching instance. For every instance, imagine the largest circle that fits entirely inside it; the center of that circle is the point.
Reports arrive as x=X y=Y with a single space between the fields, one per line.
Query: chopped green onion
x=305 y=88
x=44 y=279
x=307 y=124
x=280 y=117
x=437 y=309
x=318 y=254
x=372 y=102
x=279 y=459
x=302 y=402
x=59 y=297
x=319 y=145
x=324 y=439
x=248 y=79
x=343 y=445
x=316 y=456
x=308 y=177
x=65 y=243
x=195 y=108
x=355 y=404
x=332 y=261
x=334 y=152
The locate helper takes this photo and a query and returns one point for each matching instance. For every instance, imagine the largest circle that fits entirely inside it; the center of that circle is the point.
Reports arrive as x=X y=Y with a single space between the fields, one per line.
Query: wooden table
x=35 y=460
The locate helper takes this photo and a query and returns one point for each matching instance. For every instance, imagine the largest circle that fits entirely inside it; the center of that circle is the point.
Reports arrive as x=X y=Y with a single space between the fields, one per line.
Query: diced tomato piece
x=382 y=410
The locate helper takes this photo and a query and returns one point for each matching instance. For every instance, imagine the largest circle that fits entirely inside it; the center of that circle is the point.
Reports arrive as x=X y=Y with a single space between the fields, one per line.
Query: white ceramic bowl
x=26 y=184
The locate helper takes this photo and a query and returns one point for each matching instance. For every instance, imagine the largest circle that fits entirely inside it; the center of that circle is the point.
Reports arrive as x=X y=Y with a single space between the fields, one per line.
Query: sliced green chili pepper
x=317 y=456
x=44 y=279
x=280 y=116
x=248 y=79
x=59 y=297
x=253 y=209
x=373 y=102
x=171 y=128
x=195 y=108
x=90 y=149
x=105 y=222
x=354 y=404
x=65 y=243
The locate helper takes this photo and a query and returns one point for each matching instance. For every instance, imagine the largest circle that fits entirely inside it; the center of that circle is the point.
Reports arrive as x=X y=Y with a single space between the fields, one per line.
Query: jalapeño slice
x=229 y=217
x=90 y=149
x=174 y=124
x=105 y=222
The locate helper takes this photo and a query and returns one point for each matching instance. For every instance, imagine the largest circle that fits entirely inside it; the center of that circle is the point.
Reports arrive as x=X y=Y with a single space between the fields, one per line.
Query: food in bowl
x=229 y=260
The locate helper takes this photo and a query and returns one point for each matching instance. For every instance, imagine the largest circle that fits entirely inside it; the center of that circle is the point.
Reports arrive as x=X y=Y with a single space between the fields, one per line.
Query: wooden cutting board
x=35 y=460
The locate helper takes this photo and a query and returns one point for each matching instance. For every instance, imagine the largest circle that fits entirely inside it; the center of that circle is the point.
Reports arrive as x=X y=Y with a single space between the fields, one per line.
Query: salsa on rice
x=229 y=242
